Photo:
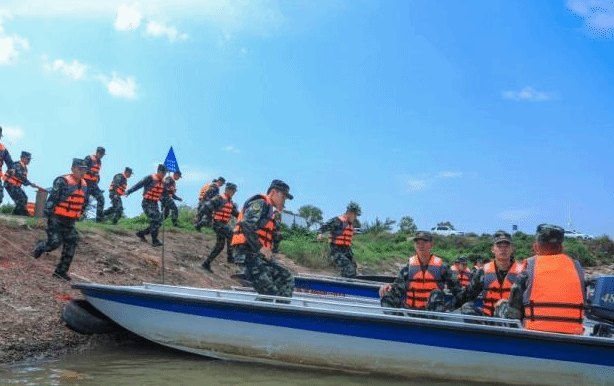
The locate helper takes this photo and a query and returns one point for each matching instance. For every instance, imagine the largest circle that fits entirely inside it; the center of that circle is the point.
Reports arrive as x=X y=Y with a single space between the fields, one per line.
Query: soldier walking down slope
x=169 y=197
x=92 y=176
x=341 y=230
x=219 y=210
x=152 y=191
x=5 y=157
x=15 y=178
x=253 y=237
x=116 y=190
x=63 y=207
x=207 y=192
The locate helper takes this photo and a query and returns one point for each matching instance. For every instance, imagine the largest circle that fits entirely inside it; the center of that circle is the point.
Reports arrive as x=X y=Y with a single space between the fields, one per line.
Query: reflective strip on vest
x=93 y=173
x=155 y=190
x=121 y=188
x=493 y=290
x=223 y=214
x=463 y=276
x=72 y=205
x=421 y=283
x=265 y=233
x=343 y=239
x=11 y=177
x=554 y=299
x=203 y=191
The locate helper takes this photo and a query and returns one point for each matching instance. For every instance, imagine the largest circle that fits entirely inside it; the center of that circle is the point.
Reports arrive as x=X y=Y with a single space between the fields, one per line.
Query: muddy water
x=156 y=365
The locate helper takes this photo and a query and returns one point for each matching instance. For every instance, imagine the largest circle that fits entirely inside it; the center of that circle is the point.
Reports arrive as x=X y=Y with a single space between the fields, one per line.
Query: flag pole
x=163 y=240
x=172 y=166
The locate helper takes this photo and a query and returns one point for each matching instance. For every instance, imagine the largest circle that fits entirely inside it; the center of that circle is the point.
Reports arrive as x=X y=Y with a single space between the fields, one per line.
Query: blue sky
x=484 y=113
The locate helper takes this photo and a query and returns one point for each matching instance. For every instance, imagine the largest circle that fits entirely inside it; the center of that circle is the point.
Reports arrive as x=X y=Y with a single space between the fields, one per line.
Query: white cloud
x=416 y=185
x=159 y=30
x=11 y=134
x=11 y=47
x=120 y=87
x=128 y=18
x=450 y=174
x=527 y=93
x=598 y=16
x=189 y=175
x=231 y=149
x=74 y=70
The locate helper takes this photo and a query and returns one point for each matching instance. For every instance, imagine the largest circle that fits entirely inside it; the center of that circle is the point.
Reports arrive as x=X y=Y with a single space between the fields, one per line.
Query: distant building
x=290 y=219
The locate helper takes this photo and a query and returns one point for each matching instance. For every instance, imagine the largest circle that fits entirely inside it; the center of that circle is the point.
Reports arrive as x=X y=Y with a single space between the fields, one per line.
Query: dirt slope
x=31 y=299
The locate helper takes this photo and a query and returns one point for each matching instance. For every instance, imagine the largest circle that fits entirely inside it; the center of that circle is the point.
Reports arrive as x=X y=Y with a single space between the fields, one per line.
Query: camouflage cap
x=460 y=259
x=423 y=235
x=128 y=170
x=549 y=234
x=177 y=173
x=162 y=168
x=282 y=187
x=220 y=179
x=231 y=186
x=25 y=154
x=79 y=163
x=501 y=236
x=354 y=207
x=101 y=150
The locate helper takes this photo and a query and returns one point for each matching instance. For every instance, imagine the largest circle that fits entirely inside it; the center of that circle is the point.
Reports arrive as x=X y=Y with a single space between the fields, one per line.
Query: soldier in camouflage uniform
x=5 y=157
x=16 y=177
x=92 y=176
x=152 y=191
x=207 y=192
x=341 y=230
x=116 y=190
x=560 y=306
x=169 y=197
x=63 y=207
x=492 y=282
x=219 y=210
x=253 y=239
x=420 y=283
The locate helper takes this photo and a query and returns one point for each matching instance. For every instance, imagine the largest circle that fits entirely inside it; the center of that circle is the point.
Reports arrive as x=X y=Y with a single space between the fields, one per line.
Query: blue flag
x=171 y=162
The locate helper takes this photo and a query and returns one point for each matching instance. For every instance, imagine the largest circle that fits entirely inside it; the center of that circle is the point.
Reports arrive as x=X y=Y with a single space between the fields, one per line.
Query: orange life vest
x=421 y=283
x=554 y=299
x=154 y=191
x=11 y=177
x=224 y=212
x=169 y=186
x=463 y=276
x=343 y=239
x=93 y=173
x=71 y=206
x=204 y=191
x=266 y=231
x=121 y=188
x=493 y=289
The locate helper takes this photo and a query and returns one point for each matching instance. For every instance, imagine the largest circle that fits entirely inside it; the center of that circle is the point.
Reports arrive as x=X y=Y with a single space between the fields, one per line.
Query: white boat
x=353 y=335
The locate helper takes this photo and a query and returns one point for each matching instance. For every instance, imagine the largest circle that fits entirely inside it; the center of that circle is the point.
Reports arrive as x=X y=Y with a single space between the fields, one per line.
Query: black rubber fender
x=82 y=317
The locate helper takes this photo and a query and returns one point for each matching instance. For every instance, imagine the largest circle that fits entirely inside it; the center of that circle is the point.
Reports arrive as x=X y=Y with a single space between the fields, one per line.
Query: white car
x=578 y=235
x=445 y=231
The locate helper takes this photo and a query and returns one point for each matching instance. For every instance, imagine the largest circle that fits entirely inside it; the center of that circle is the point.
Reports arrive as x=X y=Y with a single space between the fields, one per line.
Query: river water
x=152 y=365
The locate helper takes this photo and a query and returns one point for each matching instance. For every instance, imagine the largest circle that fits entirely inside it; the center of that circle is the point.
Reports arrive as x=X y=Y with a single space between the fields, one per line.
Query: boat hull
x=349 y=337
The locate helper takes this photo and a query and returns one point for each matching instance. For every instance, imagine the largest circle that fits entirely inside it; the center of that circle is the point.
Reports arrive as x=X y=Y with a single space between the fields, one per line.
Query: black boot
x=38 y=251
x=156 y=243
x=207 y=266
x=61 y=275
x=141 y=236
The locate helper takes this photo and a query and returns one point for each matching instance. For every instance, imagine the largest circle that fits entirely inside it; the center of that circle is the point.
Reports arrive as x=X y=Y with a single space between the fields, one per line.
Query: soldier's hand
x=180 y=199
x=383 y=289
x=320 y=237
x=266 y=253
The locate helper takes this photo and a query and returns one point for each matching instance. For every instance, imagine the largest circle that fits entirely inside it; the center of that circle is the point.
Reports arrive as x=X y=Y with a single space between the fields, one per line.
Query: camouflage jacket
x=256 y=214
x=170 y=187
x=216 y=203
x=476 y=286
x=58 y=193
x=5 y=157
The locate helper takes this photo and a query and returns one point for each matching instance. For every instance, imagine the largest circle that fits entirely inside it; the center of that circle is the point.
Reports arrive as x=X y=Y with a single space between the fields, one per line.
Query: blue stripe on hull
x=499 y=342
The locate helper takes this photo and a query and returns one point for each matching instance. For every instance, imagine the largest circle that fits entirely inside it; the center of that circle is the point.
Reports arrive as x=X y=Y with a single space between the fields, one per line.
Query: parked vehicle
x=577 y=235
x=445 y=230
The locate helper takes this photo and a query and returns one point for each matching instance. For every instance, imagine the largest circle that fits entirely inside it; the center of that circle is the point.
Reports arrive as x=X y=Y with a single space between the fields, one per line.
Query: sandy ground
x=31 y=299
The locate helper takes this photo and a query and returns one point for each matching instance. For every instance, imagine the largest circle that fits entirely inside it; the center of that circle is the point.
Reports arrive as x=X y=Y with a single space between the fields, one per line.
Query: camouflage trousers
x=223 y=235
x=505 y=310
x=60 y=231
x=268 y=277
x=117 y=209
x=94 y=191
x=343 y=259
x=472 y=308
x=395 y=298
x=155 y=218
x=168 y=205
x=19 y=198
x=1 y=192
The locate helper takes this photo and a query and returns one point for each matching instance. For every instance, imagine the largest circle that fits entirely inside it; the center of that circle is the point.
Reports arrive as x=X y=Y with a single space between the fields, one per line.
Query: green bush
x=7 y=209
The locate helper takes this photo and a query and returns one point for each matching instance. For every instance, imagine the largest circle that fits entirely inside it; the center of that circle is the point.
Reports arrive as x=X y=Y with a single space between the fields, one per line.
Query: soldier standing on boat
x=5 y=157
x=253 y=236
x=219 y=210
x=63 y=207
x=341 y=230
x=169 y=197
x=92 y=176
x=550 y=292
x=463 y=274
x=152 y=191
x=15 y=178
x=420 y=283
x=116 y=190
x=493 y=281
x=207 y=192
